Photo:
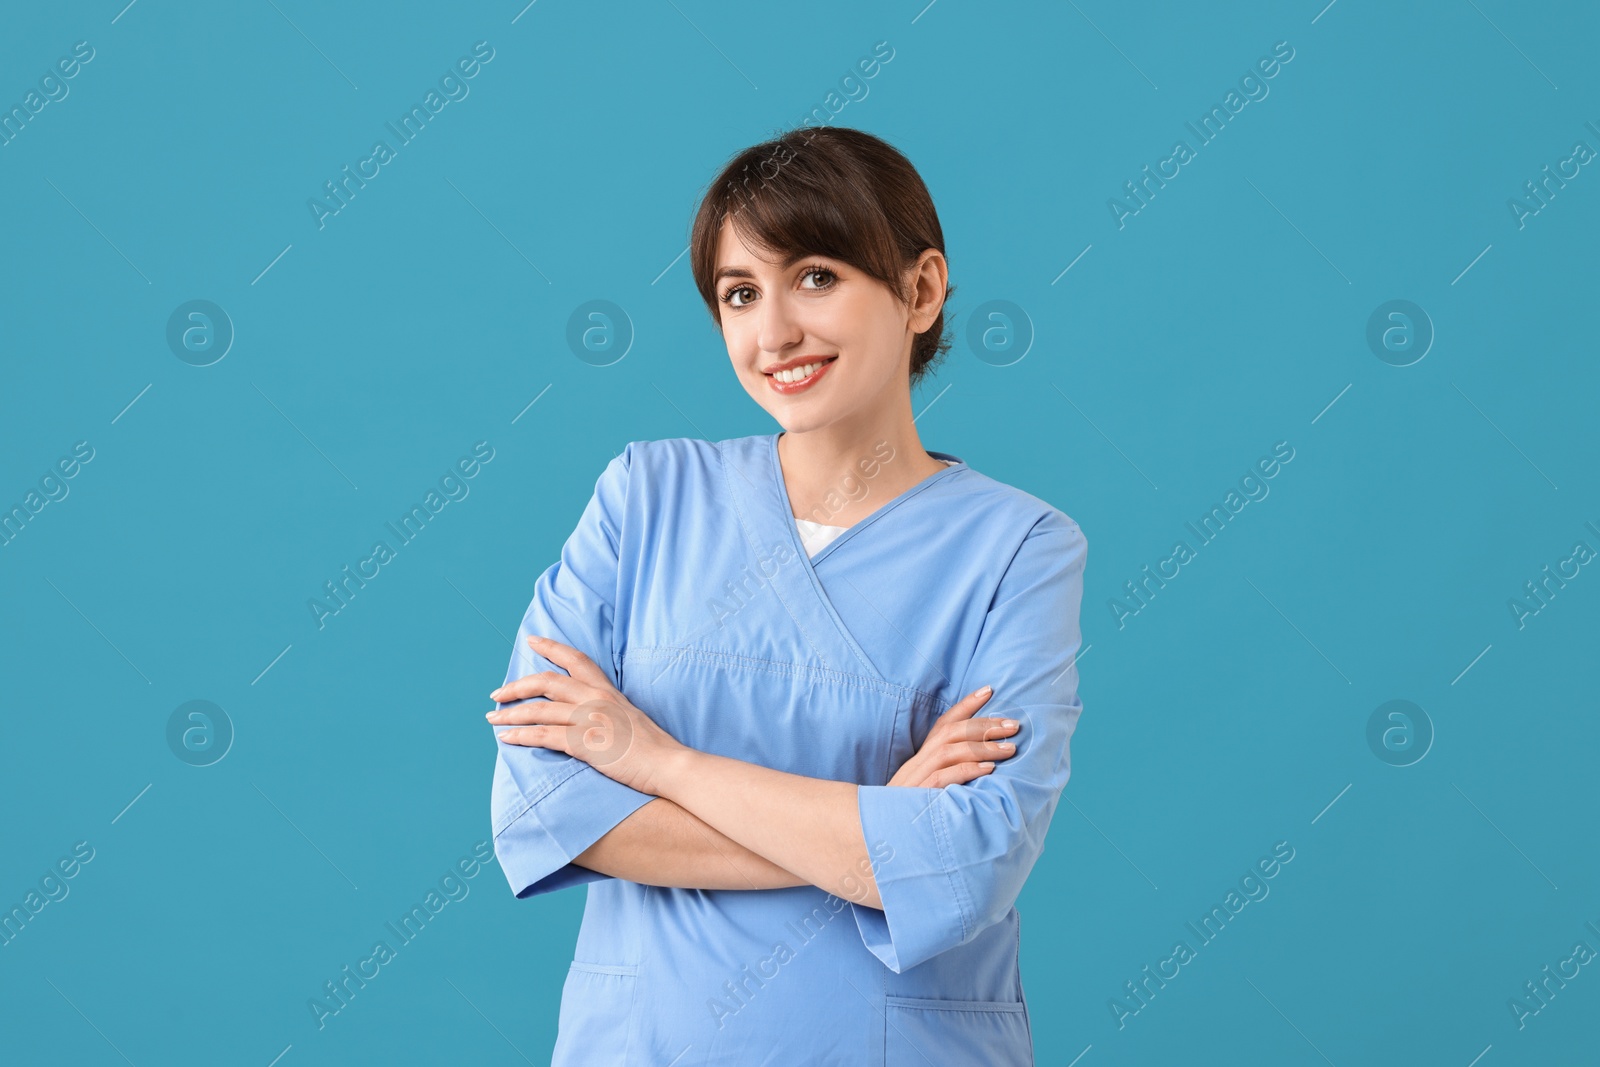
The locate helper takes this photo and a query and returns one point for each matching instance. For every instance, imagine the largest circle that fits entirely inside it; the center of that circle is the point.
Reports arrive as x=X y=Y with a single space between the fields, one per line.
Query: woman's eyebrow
x=745 y=272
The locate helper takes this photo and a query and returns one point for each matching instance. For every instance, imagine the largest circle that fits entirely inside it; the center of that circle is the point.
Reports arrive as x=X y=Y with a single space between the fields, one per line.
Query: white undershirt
x=816 y=536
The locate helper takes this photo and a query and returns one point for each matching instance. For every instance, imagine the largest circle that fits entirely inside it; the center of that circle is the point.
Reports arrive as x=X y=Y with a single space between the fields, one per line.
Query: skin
x=720 y=823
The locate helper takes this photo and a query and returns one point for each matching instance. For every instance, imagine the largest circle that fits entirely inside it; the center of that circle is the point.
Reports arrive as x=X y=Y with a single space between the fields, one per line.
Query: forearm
x=811 y=826
x=662 y=844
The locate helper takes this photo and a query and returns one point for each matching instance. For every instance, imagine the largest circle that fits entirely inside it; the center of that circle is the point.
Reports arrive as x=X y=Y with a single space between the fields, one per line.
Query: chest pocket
x=790 y=717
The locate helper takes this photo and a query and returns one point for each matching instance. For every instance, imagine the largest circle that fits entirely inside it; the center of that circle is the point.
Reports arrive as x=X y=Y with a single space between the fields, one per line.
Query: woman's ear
x=929 y=277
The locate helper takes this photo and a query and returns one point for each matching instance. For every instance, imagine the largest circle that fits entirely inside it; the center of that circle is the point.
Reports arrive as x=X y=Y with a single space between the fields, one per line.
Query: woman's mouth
x=795 y=379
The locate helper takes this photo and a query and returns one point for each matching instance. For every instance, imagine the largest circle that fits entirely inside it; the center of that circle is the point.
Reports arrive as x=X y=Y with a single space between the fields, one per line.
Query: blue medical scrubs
x=686 y=581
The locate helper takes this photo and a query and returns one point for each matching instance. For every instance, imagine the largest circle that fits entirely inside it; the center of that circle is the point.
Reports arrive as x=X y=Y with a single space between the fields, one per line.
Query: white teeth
x=794 y=374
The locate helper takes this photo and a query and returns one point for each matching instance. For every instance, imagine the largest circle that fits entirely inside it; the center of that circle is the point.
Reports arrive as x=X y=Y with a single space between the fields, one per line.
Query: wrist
x=676 y=766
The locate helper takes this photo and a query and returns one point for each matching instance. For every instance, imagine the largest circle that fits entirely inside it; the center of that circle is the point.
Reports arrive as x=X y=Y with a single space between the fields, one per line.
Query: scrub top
x=686 y=582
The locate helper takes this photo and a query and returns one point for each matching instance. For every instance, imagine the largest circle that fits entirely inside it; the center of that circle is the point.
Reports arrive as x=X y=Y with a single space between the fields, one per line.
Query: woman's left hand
x=585 y=716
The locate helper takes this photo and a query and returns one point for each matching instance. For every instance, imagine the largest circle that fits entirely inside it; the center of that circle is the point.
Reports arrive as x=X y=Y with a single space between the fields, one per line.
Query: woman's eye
x=728 y=297
x=820 y=270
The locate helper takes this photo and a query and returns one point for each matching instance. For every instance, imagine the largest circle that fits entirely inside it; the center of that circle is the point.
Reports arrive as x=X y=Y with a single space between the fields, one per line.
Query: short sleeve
x=547 y=807
x=956 y=857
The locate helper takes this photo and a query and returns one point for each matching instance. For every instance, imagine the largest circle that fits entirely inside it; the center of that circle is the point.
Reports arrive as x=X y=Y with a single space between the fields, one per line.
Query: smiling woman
x=709 y=780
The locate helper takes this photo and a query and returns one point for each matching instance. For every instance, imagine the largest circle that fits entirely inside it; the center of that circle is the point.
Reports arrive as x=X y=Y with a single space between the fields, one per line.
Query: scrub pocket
x=596 y=1014
x=920 y=1031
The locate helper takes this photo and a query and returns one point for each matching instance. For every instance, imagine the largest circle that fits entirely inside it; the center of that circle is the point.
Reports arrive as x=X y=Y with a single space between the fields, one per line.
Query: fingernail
x=495 y=695
x=1005 y=744
x=986 y=763
x=1010 y=724
x=985 y=690
x=489 y=715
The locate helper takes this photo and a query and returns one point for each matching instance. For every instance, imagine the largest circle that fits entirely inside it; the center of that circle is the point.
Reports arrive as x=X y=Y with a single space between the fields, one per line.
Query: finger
x=967 y=706
x=552 y=737
x=960 y=752
x=986 y=730
x=960 y=774
x=545 y=683
x=574 y=662
x=533 y=713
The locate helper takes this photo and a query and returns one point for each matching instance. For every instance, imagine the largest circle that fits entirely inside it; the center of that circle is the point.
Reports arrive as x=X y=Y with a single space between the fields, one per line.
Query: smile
x=798 y=378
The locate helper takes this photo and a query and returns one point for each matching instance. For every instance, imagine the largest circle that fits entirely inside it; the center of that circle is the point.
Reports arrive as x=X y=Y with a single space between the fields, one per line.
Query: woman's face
x=813 y=310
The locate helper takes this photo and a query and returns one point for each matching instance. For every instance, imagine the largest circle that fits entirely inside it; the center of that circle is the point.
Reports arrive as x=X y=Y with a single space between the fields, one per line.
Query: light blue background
x=1228 y=315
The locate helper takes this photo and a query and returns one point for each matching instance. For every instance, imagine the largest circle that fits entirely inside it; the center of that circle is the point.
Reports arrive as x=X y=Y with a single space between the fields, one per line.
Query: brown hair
x=828 y=191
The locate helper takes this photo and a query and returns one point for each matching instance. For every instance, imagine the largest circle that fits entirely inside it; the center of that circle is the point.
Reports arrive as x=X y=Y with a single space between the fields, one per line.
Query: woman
x=724 y=710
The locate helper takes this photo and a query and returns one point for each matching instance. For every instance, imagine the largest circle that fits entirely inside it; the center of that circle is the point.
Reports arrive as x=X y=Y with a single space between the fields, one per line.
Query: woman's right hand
x=958 y=746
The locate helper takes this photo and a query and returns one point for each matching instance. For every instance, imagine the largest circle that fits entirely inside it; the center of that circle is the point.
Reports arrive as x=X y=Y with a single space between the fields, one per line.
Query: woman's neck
x=839 y=479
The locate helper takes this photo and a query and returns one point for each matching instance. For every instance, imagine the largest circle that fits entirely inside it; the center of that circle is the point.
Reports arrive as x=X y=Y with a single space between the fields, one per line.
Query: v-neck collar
x=781 y=490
